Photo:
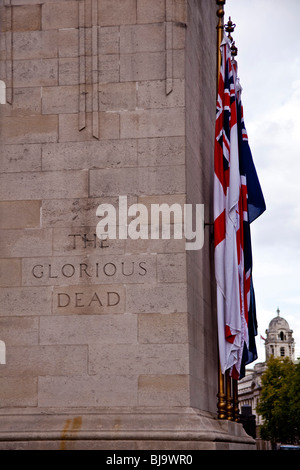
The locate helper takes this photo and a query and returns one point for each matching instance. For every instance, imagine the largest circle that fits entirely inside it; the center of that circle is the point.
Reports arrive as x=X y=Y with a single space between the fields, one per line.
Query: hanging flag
x=234 y=208
x=255 y=198
x=254 y=206
x=226 y=215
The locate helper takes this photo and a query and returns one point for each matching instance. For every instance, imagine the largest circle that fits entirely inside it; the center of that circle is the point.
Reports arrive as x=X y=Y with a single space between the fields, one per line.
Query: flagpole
x=232 y=392
x=229 y=401
x=235 y=397
x=222 y=412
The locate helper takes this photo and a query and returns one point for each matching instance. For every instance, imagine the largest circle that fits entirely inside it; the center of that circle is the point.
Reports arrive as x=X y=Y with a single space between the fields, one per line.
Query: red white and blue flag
x=238 y=200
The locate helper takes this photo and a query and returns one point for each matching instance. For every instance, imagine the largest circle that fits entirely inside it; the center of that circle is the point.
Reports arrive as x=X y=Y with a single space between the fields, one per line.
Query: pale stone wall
x=62 y=345
x=70 y=350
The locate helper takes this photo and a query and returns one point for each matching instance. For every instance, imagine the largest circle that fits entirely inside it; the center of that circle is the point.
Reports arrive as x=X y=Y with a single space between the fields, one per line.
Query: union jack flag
x=235 y=206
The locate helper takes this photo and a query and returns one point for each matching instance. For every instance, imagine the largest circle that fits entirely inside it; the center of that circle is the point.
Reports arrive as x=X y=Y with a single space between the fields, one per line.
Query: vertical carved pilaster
x=88 y=64
x=95 y=70
x=169 y=46
x=82 y=66
x=9 y=52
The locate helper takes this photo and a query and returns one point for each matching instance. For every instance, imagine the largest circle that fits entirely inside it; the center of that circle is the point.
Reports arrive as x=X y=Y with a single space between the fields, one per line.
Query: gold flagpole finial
x=229 y=28
x=220 y=29
x=220 y=15
x=220 y=12
x=234 y=50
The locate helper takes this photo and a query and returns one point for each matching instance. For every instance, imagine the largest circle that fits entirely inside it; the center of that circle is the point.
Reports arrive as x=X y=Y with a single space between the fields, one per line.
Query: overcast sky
x=267 y=35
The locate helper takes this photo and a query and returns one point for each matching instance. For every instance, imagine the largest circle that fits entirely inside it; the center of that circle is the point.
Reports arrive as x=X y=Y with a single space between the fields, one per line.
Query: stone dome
x=277 y=323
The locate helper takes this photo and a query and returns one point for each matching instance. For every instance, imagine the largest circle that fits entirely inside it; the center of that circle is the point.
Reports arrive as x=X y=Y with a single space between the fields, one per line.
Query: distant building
x=279 y=342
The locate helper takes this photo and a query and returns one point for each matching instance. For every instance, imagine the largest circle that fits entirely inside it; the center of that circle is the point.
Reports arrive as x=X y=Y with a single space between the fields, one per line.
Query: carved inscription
x=80 y=240
x=91 y=284
x=85 y=271
x=81 y=300
x=89 y=300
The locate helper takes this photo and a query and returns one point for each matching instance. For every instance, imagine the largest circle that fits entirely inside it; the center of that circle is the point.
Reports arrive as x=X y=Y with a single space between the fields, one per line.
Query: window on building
x=282 y=352
x=281 y=336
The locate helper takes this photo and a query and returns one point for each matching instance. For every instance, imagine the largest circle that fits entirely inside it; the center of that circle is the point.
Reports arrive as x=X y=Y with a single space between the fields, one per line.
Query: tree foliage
x=279 y=403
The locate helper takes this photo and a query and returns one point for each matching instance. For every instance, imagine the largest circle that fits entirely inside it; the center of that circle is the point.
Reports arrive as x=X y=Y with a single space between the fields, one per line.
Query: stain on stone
x=69 y=432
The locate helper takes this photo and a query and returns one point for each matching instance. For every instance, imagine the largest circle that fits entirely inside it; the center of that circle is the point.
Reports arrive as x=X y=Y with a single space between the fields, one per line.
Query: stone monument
x=108 y=331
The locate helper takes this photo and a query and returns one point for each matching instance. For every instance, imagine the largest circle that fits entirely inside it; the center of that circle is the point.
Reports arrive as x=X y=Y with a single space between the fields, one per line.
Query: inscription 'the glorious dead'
x=91 y=283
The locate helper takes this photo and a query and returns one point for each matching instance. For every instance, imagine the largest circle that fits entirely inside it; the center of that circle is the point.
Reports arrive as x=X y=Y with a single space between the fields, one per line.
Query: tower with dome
x=279 y=341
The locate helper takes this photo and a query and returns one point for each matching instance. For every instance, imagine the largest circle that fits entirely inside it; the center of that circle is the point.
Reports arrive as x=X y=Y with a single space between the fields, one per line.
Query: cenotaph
x=108 y=331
